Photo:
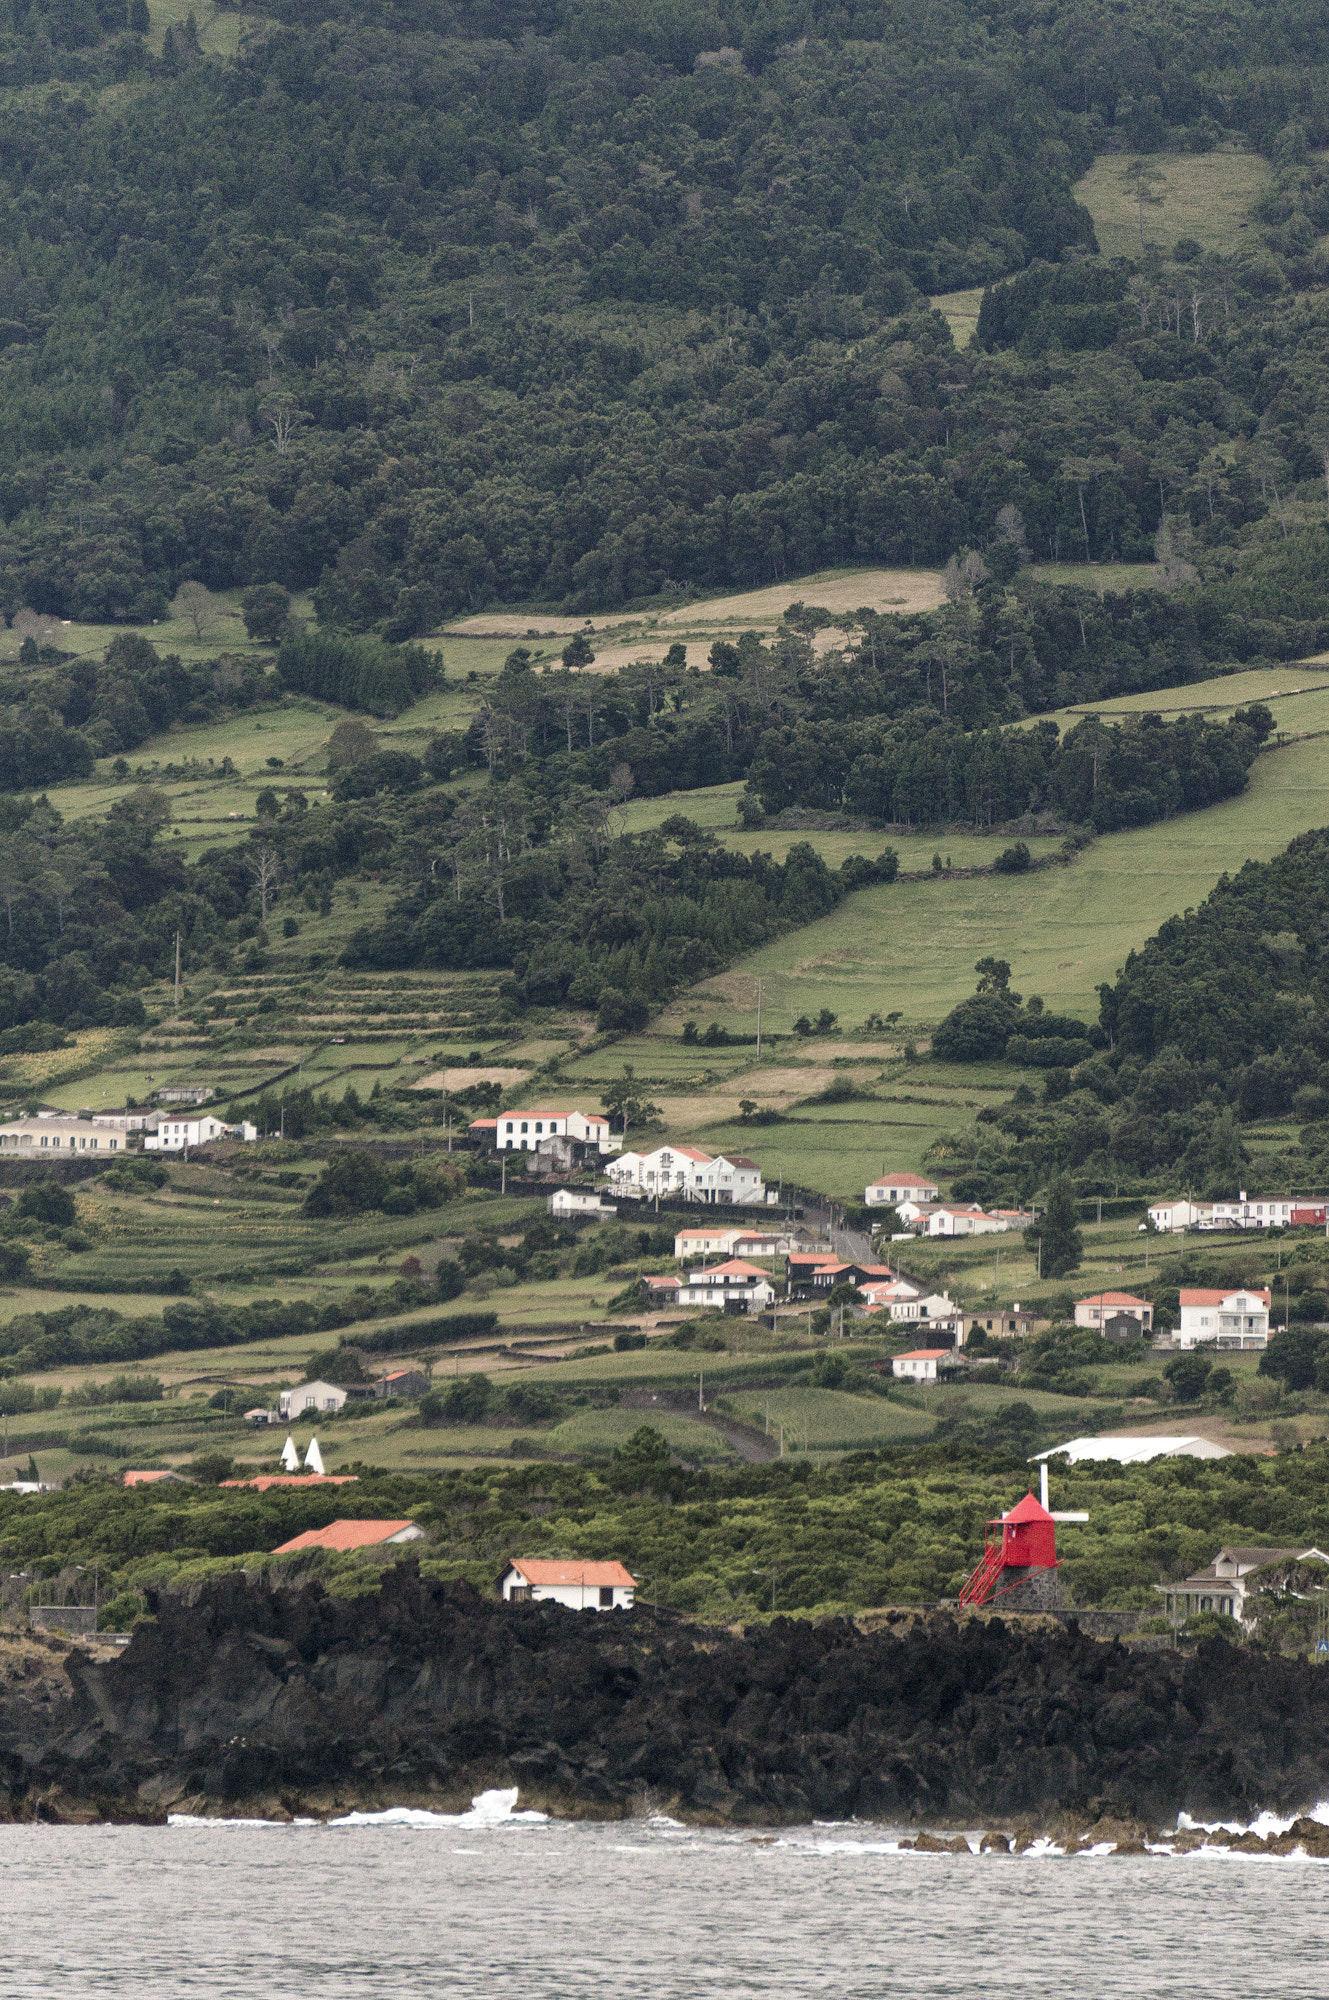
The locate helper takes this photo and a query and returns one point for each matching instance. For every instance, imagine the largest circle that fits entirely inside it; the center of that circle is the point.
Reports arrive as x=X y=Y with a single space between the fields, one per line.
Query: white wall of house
x=684 y=1170
x=293 y=1403
x=575 y=1201
x=895 y=1188
x=1175 y=1215
x=523 y=1131
x=915 y=1367
x=36 y=1136
x=966 y=1222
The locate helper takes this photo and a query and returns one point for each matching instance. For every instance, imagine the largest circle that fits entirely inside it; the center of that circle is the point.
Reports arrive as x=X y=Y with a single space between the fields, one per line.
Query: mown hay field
x=1206 y=196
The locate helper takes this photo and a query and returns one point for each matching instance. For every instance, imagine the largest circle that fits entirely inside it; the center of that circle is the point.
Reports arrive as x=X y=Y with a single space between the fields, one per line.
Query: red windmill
x=1023 y=1553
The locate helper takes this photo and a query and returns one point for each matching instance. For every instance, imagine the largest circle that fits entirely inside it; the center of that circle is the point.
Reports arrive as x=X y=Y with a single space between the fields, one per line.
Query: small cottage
x=582 y=1586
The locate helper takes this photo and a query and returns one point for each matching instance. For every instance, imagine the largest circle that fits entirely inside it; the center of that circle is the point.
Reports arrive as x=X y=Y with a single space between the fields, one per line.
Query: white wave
x=248 y=1825
x=1266 y=1824
x=487 y=1809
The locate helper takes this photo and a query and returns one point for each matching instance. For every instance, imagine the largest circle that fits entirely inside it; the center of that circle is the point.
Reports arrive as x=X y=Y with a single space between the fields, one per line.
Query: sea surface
x=496 y=1903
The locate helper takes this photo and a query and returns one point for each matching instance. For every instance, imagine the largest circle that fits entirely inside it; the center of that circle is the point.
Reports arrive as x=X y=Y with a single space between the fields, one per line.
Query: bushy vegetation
x=892 y=1527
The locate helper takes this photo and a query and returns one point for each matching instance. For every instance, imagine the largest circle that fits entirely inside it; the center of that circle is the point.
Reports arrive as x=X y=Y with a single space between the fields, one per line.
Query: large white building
x=58 y=1132
x=582 y=1586
x=892 y=1189
x=687 y=1171
x=526 y=1131
x=1218 y=1318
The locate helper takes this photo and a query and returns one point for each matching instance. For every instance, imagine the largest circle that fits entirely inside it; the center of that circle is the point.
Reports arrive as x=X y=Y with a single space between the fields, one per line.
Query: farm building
x=974 y=1221
x=582 y=1586
x=1002 y=1322
x=578 y=1201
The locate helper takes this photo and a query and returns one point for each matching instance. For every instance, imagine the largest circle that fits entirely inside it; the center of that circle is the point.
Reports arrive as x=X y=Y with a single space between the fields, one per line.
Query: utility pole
x=504 y=1173
x=701 y=1404
x=177 y=972
x=759 y=1020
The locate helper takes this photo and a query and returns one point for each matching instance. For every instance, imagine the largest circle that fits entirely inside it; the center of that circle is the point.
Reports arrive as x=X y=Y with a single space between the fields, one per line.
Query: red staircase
x=983 y=1582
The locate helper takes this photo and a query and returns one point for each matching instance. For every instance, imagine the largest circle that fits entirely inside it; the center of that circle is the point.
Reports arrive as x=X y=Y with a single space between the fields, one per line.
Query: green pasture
x=960 y=312
x=1206 y=196
x=912 y=946
x=828 y=1419
x=1297 y=697
x=1100 y=577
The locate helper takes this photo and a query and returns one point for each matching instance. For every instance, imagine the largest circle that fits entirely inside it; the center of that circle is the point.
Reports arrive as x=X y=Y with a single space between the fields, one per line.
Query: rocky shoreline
x=242 y=1701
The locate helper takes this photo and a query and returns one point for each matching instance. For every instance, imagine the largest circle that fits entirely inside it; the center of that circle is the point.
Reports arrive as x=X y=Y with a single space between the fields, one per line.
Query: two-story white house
x=892 y=1189
x=526 y=1131
x=176 y=1135
x=1218 y=1318
x=686 y=1171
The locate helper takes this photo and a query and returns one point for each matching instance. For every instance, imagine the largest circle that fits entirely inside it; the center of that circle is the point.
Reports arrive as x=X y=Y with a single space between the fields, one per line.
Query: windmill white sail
x=314 y=1458
x=290 y=1457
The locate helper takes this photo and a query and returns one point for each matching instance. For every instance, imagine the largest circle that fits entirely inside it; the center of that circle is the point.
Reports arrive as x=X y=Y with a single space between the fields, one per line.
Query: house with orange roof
x=581 y=1586
x=267 y=1479
x=1101 y=1307
x=151 y=1478
x=921 y=1363
x=734 y=1286
x=1234 y=1319
x=892 y=1189
x=346 y=1535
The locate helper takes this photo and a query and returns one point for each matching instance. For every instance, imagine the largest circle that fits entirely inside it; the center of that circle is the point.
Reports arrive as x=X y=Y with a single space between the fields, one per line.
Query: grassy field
x=912 y=946
x=1206 y=196
x=960 y=312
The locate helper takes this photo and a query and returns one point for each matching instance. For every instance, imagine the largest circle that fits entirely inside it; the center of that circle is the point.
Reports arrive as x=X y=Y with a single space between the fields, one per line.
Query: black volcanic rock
x=238 y=1698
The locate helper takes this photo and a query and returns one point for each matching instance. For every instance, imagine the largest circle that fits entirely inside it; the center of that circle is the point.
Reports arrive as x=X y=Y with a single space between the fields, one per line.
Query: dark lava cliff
x=238 y=1699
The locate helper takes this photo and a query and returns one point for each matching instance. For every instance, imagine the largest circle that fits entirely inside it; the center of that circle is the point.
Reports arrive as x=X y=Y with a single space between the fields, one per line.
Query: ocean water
x=495 y=1903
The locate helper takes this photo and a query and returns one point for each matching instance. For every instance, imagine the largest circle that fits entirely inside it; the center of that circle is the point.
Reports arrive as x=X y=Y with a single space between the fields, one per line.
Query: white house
x=699 y=1239
x=1133 y=1450
x=972 y=1221
x=1224 y=1319
x=1095 y=1312
x=293 y=1403
x=1174 y=1216
x=895 y=1296
x=1229 y=1582
x=582 y=1586
x=921 y=1364
x=940 y=1311
x=892 y=1189
x=578 y=1201
x=731 y=1283
x=686 y=1171
x=524 y=1131
x=174 y=1135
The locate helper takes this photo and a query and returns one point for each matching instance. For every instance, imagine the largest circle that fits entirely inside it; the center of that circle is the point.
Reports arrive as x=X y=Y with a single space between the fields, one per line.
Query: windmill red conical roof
x=1027 y=1509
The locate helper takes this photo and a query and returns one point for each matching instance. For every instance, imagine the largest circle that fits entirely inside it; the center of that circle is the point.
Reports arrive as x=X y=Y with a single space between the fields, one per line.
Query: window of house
x=606 y=1595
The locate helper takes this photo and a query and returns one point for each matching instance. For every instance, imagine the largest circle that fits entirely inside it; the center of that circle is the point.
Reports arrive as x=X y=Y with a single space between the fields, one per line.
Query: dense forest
x=425 y=307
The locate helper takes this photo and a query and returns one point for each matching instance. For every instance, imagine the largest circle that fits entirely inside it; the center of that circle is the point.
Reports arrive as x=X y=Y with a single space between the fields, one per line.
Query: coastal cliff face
x=239 y=1699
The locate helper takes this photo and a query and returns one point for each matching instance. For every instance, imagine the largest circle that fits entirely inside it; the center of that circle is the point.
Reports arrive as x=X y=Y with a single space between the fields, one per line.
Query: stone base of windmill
x=1028 y=1590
